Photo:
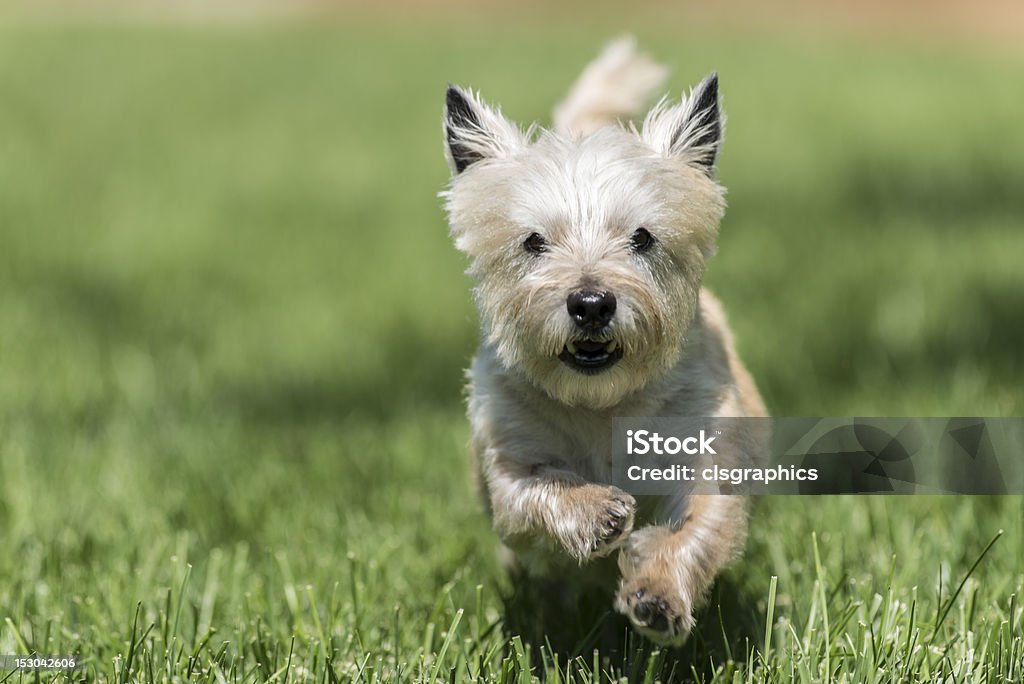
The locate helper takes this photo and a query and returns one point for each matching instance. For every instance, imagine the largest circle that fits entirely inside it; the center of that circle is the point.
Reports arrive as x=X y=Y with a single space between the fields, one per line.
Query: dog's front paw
x=599 y=519
x=657 y=609
x=654 y=592
x=613 y=523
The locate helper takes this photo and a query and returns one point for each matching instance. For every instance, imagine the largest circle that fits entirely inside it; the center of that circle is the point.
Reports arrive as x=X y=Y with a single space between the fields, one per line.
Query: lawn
x=233 y=328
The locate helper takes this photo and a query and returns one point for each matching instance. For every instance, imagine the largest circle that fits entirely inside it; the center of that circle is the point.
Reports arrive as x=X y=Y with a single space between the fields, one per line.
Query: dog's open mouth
x=590 y=357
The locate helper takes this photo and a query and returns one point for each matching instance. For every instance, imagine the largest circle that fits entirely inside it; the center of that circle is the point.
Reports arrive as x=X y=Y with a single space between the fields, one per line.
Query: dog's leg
x=667 y=569
x=587 y=520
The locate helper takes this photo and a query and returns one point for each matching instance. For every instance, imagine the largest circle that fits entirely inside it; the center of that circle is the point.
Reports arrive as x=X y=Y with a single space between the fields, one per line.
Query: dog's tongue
x=590 y=347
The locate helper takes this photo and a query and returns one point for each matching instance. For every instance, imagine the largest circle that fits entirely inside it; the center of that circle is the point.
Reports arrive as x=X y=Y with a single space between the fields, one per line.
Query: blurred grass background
x=232 y=331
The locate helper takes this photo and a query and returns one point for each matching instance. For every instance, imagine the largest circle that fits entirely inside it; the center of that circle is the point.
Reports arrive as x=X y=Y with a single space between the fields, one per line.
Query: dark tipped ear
x=473 y=131
x=459 y=118
x=705 y=129
x=691 y=130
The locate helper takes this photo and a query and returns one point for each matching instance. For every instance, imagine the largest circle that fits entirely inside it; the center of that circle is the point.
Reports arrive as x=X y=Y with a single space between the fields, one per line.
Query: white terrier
x=588 y=245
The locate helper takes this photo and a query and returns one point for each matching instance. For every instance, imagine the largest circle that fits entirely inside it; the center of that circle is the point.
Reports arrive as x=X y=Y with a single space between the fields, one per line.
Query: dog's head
x=588 y=254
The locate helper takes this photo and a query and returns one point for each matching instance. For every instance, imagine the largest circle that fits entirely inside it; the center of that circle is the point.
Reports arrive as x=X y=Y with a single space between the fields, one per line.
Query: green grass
x=232 y=334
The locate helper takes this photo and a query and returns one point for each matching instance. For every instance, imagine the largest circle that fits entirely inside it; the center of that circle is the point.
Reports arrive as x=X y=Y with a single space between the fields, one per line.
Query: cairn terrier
x=587 y=244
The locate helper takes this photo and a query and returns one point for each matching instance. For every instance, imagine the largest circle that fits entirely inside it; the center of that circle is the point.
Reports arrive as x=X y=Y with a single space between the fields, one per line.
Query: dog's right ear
x=691 y=130
x=474 y=132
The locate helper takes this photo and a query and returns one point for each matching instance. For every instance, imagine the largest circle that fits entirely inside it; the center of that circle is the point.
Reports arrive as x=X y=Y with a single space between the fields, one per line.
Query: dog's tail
x=616 y=85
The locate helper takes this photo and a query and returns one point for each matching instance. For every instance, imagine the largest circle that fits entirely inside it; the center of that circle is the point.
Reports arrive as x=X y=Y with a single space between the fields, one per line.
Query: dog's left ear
x=474 y=132
x=691 y=130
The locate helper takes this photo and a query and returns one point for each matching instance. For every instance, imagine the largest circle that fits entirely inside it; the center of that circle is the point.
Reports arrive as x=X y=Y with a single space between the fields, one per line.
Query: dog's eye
x=641 y=240
x=535 y=244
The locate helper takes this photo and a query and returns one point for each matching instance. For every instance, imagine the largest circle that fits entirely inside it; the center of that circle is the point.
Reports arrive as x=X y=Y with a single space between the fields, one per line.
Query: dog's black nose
x=591 y=310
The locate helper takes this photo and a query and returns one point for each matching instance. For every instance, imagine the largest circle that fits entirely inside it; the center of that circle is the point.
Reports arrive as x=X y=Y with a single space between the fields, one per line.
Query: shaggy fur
x=545 y=214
